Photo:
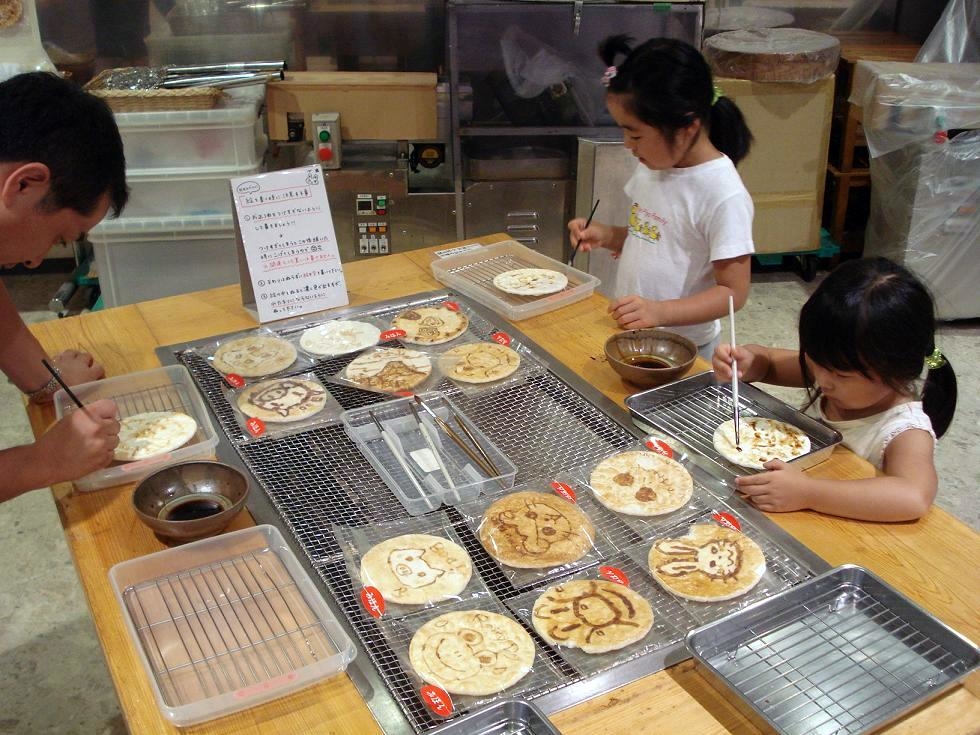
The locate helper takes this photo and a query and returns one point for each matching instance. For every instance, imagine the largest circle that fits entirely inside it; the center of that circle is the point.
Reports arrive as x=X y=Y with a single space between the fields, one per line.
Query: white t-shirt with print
x=869 y=437
x=682 y=219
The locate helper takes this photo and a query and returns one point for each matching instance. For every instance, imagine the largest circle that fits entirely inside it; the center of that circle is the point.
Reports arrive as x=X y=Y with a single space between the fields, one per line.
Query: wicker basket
x=147 y=100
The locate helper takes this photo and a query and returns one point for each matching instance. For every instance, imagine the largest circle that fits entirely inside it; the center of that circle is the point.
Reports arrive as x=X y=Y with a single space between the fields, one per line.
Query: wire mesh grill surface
x=318 y=478
x=225 y=627
x=484 y=271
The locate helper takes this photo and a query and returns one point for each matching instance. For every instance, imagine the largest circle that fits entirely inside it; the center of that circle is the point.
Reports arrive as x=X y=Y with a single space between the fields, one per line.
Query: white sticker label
x=425 y=459
x=457 y=251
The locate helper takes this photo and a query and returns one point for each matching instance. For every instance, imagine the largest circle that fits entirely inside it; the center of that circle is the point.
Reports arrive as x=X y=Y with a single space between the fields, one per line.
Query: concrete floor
x=55 y=678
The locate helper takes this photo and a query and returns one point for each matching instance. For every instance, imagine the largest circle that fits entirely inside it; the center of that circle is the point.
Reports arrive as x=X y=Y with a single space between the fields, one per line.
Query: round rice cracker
x=339 y=337
x=430 y=325
x=254 y=357
x=416 y=568
x=282 y=400
x=389 y=369
x=533 y=530
x=761 y=440
x=594 y=615
x=11 y=11
x=473 y=652
x=709 y=564
x=145 y=435
x=530 y=281
x=480 y=362
x=641 y=483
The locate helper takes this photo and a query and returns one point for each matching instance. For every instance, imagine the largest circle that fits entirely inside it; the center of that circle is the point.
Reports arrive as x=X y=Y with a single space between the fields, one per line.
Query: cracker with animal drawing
x=416 y=568
x=430 y=325
x=480 y=362
x=282 y=400
x=473 y=652
x=389 y=369
x=595 y=615
x=532 y=530
x=641 y=483
x=708 y=564
x=253 y=357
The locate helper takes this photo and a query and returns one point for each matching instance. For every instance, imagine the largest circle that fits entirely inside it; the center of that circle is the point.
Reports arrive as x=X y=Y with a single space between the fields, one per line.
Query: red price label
x=501 y=338
x=727 y=520
x=373 y=602
x=404 y=393
x=451 y=305
x=615 y=575
x=436 y=700
x=235 y=381
x=392 y=334
x=660 y=447
x=256 y=427
x=564 y=490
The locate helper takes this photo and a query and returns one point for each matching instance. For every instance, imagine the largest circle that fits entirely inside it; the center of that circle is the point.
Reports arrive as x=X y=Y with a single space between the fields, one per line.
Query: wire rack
x=318 y=478
x=224 y=627
x=482 y=273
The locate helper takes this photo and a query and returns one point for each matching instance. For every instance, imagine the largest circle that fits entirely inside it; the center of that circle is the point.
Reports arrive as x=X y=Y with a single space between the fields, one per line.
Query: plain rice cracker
x=145 y=435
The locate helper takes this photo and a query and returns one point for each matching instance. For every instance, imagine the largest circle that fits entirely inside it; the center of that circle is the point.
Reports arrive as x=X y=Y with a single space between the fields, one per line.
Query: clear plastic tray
x=168 y=388
x=472 y=273
x=426 y=488
x=227 y=623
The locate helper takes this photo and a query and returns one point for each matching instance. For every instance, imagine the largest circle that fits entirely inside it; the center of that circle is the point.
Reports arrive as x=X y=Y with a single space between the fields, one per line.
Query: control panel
x=372 y=224
x=326 y=138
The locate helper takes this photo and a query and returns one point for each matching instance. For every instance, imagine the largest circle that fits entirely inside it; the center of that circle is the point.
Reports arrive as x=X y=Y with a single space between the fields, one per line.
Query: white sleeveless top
x=868 y=437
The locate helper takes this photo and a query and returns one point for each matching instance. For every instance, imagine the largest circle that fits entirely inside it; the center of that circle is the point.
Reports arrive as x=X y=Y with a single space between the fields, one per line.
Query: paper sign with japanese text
x=289 y=243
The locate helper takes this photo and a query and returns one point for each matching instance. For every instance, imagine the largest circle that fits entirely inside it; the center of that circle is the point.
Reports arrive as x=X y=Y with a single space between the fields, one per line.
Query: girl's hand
x=596 y=235
x=721 y=362
x=635 y=312
x=77 y=367
x=783 y=488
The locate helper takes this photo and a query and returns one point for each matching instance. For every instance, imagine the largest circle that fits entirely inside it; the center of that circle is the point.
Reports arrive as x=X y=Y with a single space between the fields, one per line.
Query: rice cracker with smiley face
x=416 y=568
x=708 y=564
x=473 y=652
x=282 y=400
x=532 y=530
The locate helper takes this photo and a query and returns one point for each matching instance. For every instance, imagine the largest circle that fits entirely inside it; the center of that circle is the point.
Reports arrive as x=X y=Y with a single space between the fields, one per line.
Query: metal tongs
x=735 y=410
x=222 y=76
x=477 y=453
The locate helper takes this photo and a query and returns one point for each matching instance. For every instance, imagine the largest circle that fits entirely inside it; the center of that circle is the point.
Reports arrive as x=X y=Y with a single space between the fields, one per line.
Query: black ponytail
x=939 y=397
x=668 y=84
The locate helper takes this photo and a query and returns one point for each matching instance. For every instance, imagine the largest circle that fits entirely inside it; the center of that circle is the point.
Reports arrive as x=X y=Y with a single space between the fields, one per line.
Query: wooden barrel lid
x=773 y=54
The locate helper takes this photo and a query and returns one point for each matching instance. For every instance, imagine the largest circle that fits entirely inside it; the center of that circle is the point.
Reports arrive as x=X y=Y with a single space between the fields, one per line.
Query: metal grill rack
x=482 y=273
x=546 y=425
x=840 y=654
x=223 y=627
x=690 y=409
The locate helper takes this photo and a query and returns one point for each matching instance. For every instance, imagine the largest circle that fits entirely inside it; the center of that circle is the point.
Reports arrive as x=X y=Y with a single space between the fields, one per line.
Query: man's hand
x=81 y=442
x=77 y=367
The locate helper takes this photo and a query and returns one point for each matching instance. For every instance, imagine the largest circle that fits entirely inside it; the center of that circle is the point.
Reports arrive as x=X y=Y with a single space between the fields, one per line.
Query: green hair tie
x=936 y=360
x=718 y=94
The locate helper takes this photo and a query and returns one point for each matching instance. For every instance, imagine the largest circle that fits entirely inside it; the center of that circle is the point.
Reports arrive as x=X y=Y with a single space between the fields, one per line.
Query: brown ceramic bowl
x=650 y=357
x=190 y=500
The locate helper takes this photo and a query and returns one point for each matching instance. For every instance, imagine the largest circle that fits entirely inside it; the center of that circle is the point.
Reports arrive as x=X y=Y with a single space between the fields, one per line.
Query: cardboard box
x=786 y=169
x=372 y=105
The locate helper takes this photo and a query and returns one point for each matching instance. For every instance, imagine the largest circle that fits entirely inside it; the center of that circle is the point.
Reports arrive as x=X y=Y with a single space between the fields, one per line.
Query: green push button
x=324 y=136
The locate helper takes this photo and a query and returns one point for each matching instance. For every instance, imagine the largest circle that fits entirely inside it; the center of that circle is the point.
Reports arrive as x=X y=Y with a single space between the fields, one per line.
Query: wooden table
x=933 y=560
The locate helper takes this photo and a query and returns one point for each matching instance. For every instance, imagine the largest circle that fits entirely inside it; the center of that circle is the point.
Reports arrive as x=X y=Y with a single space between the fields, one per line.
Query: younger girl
x=866 y=335
x=688 y=243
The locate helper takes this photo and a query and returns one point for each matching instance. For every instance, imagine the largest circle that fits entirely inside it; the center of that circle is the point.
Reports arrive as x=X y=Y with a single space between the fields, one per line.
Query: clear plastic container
x=184 y=192
x=141 y=258
x=223 y=137
x=471 y=274
x=168 y=388
x=415 y=466
x=227 y=623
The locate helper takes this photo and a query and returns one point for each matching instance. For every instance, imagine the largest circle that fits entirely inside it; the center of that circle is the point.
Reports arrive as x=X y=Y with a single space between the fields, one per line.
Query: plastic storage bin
x=221 y=138
x=227 y=623
x=149 y=258
x=406 y=462
x=185 y=192
x=163 y=389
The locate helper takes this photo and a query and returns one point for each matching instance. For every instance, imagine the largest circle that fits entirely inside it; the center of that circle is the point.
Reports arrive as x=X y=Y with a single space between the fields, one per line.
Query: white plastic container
x=168 y=388
x=185 y=192
x=227 y=623
x=220 y=138
x=148 y=258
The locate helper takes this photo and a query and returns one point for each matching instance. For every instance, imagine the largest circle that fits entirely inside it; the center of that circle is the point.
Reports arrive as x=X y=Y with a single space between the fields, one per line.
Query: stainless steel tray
x=509 y=717
x=840 y=653
x=691 y=409
x=552 y=422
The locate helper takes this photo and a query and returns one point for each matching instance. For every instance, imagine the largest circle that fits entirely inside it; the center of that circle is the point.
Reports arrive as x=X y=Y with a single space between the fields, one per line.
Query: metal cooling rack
x=551 y=422
x=483 y=272
x=225 y=626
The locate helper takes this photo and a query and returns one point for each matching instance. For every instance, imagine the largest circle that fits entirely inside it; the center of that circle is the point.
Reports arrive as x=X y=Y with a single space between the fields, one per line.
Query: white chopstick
x=731 y=327
x=397 y=451
x=433 y=447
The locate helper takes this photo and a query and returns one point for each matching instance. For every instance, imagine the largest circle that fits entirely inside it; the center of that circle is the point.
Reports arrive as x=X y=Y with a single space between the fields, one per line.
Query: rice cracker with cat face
x=641 y=483
x=416 y=568
x=430 y=325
